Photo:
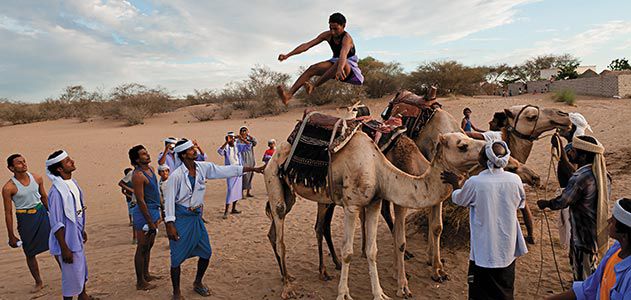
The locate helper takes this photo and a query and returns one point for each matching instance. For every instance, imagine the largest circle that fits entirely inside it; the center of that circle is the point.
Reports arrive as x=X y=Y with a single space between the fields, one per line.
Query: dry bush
x=225 y=112
x=566 y=96
x=451 y=77
x=455 y=220
x=334 y=91
x=202 y=114
x=20 y=113
x=203 y=97
x=381 y=78
x=257 y=94
x=134 y=102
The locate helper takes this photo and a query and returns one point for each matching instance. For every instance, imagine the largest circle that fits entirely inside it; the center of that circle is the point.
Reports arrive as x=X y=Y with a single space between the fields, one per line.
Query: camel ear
x=508 y=113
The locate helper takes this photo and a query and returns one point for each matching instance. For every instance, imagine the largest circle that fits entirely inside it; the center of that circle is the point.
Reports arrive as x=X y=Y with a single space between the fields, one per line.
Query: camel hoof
x=325 y=277
x=382 y=296
x=287 y=293
x=404 y=293
x=344 y=296
x=290 y=278
x=440 y=277
x=408 y=255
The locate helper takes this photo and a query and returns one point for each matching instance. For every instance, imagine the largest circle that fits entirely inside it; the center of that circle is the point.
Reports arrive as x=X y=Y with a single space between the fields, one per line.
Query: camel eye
x=531 y=118
x=463 y=147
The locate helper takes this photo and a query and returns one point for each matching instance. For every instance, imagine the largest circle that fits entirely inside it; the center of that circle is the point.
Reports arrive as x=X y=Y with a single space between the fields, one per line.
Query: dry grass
x=203 y=114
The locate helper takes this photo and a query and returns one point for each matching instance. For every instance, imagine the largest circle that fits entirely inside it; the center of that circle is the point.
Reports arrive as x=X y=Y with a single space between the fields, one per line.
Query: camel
x=407 y=157
x=360 y=175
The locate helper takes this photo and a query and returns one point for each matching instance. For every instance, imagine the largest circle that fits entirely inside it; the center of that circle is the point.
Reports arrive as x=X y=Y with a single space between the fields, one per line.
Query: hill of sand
x=243 y=264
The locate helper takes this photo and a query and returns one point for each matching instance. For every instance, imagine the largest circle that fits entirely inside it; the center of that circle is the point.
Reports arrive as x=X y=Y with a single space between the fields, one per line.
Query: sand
x=243 y=265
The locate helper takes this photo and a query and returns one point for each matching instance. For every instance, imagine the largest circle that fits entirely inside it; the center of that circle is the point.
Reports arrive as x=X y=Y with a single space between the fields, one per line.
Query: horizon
x=188 y=45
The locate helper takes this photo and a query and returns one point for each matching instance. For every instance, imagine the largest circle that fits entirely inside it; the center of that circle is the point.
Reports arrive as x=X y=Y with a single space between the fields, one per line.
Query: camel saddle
x=385 y=133
x=414 y=110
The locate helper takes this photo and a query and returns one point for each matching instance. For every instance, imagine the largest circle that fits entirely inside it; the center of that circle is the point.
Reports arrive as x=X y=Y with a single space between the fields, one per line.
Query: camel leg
x=436 y=229
x=399 y=251
x=387 y=216
x=350 y=215
x=327 y=235
x=319 y=229
x=362 y=219
x=372 y=220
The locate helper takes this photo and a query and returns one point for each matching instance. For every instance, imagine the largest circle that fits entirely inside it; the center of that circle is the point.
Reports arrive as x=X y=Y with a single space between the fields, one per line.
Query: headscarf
x=581 y=124
x=170 y=140
x=70 y=203
x=621 y=215
x=271 y=141
x=181 y=148
x=493 y=160
x=599 y=168
x=163 y=167
x=243 y=127
x=231 y=133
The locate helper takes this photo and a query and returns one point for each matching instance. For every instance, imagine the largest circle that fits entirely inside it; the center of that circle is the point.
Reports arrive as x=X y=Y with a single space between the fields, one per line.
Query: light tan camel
x=360 y=175
x=406 y=156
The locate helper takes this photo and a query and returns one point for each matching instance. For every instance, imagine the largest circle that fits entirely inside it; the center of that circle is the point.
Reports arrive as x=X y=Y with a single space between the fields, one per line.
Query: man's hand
x=450 y=178
x=66 y=255
x=172 y=231
x=259 y=169
x=85 y=236
x=340 y=74
x=282 y=57
x=542 y=204
x=555 y=141
x=13 y=241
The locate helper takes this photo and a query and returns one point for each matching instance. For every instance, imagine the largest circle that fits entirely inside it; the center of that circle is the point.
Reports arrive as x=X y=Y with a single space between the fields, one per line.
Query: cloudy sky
x=184 y=45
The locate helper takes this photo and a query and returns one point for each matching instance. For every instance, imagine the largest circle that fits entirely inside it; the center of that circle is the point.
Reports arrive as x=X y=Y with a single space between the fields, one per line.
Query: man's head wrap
x=170 y=140
x=599 y=168
x=621 y=215
x=67 y=198
x=231 y=133
x=164 y=167
x=181 y=148
x=493 y=160
x=243 y=127
x=271 y=141
x=581 y=124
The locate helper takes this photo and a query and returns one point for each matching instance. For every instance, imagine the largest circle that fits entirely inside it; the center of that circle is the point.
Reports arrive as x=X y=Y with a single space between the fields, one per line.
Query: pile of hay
x=455 y=221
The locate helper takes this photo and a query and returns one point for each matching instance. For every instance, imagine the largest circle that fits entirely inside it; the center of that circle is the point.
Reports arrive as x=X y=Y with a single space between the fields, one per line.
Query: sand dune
x=243 y=265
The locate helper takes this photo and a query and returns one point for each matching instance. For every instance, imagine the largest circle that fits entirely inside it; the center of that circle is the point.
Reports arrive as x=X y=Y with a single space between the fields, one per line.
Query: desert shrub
x=133 y=115
x=335 y=91
x=566 y=96
x=203 y=97
x=202 y=114
x=20 y=113
x=240 y=104
x=257 y=94
x=381 y=78
x=129 y=99
x=225 y=112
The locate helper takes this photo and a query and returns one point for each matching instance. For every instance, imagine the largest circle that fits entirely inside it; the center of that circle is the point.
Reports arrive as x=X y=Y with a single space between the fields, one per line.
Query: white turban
x=170 y=140
x=181 y=148
x=163 y=167
x=66 y=195
x=493 y=160
x=621 y=215
x=581 y=124
x=231 y=133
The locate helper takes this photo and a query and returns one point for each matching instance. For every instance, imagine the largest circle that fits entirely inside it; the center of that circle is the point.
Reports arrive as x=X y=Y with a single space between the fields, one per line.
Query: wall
x=603 y=86
x=624 y=85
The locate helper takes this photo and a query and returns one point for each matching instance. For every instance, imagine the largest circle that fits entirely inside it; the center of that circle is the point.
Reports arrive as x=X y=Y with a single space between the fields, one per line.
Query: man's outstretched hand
x=542 y=204
x=282 y=57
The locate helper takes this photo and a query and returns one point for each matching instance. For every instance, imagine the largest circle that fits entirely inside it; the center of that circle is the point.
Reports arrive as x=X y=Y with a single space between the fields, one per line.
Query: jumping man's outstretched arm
x=305 y=46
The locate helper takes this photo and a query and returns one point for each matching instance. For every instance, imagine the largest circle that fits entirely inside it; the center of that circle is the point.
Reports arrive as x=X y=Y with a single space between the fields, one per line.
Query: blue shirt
x=590 y=288
x=493 y=198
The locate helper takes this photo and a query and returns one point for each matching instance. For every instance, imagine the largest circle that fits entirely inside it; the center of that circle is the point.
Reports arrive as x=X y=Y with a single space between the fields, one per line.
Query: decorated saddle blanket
x=415 y=111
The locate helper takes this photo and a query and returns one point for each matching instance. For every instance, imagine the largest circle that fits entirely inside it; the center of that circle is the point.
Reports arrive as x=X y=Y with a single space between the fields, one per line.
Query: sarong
x=355 y=77
x=193 y=240
x=139 y=219
x=235 y=189
x=248 y=160
x=34 y=230
x=491 y=283
x=74 y=275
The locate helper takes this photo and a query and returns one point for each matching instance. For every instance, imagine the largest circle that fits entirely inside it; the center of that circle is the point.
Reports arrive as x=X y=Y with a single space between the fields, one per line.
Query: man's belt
x=29 y=211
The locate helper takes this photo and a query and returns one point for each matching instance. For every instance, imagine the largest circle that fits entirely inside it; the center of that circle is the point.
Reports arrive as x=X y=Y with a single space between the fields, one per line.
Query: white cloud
x=183 y=44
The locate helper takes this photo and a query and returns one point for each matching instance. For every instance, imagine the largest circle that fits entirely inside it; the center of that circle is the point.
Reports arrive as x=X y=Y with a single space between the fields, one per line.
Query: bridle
x=512 y=129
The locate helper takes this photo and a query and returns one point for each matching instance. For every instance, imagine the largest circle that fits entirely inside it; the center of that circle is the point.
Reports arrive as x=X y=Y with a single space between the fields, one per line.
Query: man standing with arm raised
x=184 y=198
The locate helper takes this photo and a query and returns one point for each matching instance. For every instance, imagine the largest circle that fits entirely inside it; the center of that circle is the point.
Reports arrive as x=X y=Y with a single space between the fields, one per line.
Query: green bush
x=566 y=96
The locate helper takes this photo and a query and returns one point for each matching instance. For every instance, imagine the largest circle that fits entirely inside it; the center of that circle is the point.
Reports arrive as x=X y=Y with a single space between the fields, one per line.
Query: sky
x=183 y=45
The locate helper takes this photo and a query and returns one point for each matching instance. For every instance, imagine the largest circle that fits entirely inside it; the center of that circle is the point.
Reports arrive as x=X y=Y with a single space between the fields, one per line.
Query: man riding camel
x=342 y=66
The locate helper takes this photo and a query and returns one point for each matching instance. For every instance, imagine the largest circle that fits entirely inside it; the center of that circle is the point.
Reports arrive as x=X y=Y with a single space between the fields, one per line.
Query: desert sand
x=243 y=264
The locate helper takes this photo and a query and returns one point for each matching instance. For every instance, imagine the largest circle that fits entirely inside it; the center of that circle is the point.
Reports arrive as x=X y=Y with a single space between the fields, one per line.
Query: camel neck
x=410 y=191
x=519 y=148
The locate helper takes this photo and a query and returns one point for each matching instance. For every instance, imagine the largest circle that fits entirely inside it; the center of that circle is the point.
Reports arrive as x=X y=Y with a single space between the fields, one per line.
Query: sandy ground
x=243 y=265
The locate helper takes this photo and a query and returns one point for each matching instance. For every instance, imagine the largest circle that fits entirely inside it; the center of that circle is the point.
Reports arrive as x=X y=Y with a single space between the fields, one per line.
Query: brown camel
x=360 y=175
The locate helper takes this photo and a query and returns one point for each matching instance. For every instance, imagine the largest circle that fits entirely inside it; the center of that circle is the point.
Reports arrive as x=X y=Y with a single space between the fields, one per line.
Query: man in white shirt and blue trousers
x=493 y=198
x=184 y=198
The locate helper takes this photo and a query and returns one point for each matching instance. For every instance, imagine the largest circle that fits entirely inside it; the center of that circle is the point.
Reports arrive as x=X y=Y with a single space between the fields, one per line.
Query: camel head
x=526 y=174
x=533 y=121
x=457 y=151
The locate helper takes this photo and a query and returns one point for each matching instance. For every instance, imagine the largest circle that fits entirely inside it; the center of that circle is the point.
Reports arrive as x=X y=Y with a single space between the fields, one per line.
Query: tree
x=531 y=68
x=567 y=71
x=451 y=76
x=619 y=64
x=380 y=78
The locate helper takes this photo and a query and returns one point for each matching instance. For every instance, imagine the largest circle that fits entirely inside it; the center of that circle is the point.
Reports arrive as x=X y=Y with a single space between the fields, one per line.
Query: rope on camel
x=553 y=157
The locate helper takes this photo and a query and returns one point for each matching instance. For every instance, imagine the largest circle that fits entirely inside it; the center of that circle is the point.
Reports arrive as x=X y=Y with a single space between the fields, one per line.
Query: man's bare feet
x=284 y=96
x=308 y=87
x=38 y=287
x=201 y=289
x=150 y=278
x=145 y=286
x=178 y=297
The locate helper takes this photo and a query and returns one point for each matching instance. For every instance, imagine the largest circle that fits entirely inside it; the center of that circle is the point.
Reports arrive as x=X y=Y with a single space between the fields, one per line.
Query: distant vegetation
x=132 y=103
x=566 y=96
